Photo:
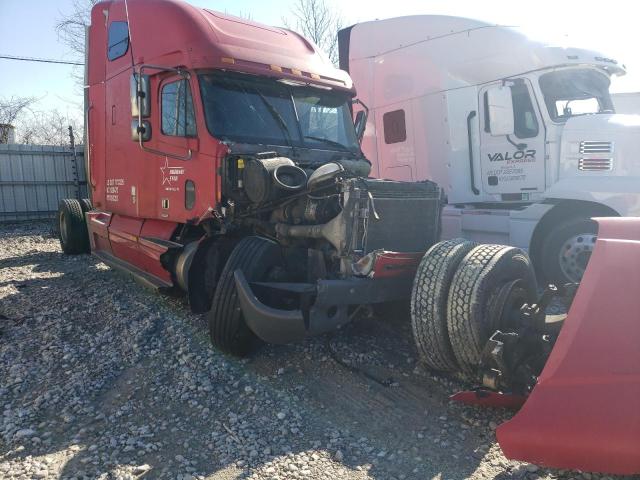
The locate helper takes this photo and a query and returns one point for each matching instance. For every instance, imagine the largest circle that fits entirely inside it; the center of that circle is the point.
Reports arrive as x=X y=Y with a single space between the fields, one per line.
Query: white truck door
x=513 y=165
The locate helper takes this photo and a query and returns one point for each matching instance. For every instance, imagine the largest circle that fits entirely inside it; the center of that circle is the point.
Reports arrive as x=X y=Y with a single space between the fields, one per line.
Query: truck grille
x=589 y=146
x=595 y=164
x=408 y=215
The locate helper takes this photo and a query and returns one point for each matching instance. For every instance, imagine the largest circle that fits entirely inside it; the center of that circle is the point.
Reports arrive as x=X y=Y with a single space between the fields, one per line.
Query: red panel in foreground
x=584 y=413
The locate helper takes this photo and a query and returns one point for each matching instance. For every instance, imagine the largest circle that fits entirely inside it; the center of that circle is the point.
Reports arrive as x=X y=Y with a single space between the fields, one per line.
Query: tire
x=566 y=251
x=86 y=205
x=429 y=303
x=72 y=228
x=255 y=256
x=481 y=274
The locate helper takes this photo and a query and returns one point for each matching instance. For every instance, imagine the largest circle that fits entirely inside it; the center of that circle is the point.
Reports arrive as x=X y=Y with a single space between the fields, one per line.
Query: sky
x=27 y=28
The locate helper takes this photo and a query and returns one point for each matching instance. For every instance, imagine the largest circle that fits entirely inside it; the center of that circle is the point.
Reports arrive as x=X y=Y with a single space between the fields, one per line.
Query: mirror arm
x=357 y=101
x=365 y=109
x=180 y=72
x=519 y=146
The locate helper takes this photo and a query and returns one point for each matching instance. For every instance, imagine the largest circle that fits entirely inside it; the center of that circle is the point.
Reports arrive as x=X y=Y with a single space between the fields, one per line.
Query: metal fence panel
x=34 y=178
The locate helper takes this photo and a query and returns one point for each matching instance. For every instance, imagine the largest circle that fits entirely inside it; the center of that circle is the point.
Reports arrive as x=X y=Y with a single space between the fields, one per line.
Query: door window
x=178 y=117
x=525 y=122
x=524 y=116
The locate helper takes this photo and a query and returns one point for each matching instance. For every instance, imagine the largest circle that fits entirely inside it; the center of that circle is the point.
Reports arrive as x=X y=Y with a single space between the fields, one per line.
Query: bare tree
x=11 y=110
x=49 y=128
x=316 y=20
x=71 y=26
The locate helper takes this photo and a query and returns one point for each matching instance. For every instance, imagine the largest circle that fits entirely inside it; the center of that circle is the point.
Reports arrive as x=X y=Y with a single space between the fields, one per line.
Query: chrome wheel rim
x=574 y=255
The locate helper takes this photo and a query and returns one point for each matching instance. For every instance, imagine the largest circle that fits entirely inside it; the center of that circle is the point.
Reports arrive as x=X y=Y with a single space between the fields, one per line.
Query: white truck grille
x=595 y=164
x=590 y=146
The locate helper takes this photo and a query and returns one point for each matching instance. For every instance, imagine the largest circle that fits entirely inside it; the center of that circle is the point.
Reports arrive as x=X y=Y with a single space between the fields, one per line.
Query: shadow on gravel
x=366 y=379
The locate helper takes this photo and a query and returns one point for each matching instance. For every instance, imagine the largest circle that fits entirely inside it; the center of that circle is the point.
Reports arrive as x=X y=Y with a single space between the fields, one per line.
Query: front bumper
x=329 y=304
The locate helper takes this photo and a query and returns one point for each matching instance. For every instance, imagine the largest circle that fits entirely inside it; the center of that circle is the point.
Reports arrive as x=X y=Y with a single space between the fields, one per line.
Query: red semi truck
x=224 y=163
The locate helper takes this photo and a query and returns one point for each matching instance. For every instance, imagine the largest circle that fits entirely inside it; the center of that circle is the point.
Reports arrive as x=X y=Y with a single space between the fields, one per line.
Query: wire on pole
x=41 y=60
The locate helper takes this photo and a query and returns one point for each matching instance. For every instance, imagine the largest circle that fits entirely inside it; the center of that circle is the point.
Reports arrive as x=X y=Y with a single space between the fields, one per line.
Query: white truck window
x=395 y=129
x=574 y=92
x=524 y=116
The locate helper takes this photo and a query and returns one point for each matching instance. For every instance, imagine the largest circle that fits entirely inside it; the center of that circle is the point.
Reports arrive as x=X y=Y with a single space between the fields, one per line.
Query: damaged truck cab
x=224 y=163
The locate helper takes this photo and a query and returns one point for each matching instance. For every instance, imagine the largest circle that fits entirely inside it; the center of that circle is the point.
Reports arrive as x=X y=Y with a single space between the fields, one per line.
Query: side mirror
x=360 y=124
x=140 y=130
x=140 y=89
x=500 y=107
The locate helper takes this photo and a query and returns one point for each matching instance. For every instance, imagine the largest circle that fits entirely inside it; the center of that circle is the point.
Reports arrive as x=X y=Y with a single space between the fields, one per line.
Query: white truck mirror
x=500 y=106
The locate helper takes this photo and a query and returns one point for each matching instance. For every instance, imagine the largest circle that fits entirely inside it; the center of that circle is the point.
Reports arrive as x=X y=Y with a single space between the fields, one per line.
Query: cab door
x=174 y=151
x=513 y=165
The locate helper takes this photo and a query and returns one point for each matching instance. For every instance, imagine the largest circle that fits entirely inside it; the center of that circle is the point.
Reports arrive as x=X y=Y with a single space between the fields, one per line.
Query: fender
x=583 y=413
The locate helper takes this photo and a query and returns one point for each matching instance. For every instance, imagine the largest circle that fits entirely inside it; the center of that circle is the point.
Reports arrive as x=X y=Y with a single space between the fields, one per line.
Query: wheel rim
x=574 y=255
x=506 y=302
x=63 y=228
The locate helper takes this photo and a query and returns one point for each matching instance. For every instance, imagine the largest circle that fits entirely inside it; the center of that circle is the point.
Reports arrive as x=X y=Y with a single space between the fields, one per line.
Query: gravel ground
x=100 y=378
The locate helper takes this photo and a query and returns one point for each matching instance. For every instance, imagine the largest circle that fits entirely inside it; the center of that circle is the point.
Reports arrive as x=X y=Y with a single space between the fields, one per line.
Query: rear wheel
x=567 y=249
x=259 y=259
x=72 y=228
x=429 y=302
x=86 y=205
x=484 y=275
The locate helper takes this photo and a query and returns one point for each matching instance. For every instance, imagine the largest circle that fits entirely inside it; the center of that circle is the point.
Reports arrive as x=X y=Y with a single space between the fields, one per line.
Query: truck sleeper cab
x=224 y=163
x=521 y=135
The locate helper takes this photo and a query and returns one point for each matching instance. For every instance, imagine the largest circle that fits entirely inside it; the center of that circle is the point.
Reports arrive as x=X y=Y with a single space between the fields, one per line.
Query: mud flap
x=584 y=411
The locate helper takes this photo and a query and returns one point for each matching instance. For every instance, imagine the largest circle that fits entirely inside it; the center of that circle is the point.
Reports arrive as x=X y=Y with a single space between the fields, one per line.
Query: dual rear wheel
x=454 y=292
x=72 y=227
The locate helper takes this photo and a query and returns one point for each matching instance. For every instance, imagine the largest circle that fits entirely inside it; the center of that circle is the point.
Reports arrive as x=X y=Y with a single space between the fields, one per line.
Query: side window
x=395 y=129
x=118 y=43
x=524 y=116
x=525 y=122
x=178 y=117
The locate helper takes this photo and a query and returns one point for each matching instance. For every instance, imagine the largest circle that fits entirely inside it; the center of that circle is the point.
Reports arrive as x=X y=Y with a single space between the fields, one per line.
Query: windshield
x=265 y=111
x=574 y=92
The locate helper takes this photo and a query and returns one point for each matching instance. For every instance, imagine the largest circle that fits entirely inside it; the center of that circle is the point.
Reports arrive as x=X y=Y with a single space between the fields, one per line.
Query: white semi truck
x=522 y=135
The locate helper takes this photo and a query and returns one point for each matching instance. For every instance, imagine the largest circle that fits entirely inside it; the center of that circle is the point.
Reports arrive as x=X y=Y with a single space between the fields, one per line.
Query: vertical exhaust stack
x=85 y=133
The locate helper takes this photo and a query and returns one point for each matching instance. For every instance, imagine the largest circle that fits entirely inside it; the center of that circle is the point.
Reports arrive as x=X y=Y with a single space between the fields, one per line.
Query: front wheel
x=567 y=249
x=259 y=259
